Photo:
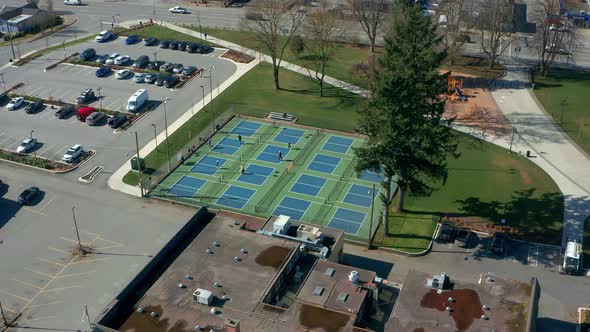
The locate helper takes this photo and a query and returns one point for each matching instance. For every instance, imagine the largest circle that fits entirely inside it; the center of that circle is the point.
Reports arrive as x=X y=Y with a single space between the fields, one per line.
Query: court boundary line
x=304 y=212
x=255 y=184
x=182 y=185
x=307 y=184
x=360 y=224
x=344 y=153
x=248 y=200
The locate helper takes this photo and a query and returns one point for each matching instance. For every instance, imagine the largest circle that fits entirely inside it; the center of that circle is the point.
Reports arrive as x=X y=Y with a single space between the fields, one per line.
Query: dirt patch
x=466 y=307
x=238 y=56
x=273 y=256
x=478 y=224
x=318 y=318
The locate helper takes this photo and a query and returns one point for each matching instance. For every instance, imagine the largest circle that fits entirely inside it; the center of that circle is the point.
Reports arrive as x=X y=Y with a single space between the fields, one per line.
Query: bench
x=281 y=116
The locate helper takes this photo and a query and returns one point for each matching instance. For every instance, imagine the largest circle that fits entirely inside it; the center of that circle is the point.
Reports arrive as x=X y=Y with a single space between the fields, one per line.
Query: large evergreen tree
x=408 y=138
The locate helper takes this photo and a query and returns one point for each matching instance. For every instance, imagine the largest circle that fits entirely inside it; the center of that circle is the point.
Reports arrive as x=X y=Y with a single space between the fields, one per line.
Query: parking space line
x=26 y=283
x=65 y=252
x=40 y=94
x=46 y=204
x=5 y=308
x=32 y=92
x=17 y=142
x=45 y=114
x=76 y=274
x=40 y=273
x=91 y=233
x=9 y=137
x=72 y=241
x=50 y=261
x=58 y=289
x=41 y=305
x=113 y=103
x=43 y=151
x=34 y=211
x=38 y=318
x=18 y=297
x=90 y=261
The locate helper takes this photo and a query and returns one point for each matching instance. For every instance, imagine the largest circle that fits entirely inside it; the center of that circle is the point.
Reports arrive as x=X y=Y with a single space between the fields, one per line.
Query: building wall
x=279 y=281
x=337 y=251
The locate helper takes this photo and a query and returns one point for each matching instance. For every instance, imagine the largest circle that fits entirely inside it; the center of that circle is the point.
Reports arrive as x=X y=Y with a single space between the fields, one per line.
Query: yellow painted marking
x=50 y=261
x=76 y=274
x=38 y=318
x=35 y=211
x=41 y=305
x=107 y=247
x=41 y=273
x=46 y=204
x=73 y=241
x=58 y=289
x=89 y=261
x=26 y=283
x=91 y=233
x=65 y=252
x=18 y=297
x=4 y=307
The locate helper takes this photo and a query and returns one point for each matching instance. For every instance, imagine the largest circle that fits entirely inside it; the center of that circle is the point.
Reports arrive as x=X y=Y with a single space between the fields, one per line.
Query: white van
x=137 y=100
x=572 y=259
x=73 y=2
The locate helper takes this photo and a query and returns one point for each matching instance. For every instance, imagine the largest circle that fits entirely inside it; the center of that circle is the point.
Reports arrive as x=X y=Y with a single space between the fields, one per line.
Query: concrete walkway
x=552 y=150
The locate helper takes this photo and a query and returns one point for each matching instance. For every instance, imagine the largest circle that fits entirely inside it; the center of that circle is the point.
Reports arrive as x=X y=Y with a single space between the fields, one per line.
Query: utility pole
x=11 y=44
x=82 y=250
x=34 y=152
x=211 y=84
x=139 y=165
x=99 y=97
x=371 y=219
x=3 y=83
x=563 y=107
x=166 y=130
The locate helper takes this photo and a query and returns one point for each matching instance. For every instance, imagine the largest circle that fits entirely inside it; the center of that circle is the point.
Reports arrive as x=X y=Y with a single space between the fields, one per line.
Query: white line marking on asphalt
x=17 y=142
x=46 y=149
x=45 y=114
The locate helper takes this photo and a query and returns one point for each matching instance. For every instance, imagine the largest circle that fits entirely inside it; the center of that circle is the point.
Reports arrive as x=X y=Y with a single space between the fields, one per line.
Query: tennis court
x=372 y=176
x=288 y=135
x=308 y=185
x=270 y=154
x=227 y=146
x=324 y=163
x=208 y=165
x=292 y=207
x=360 y=195
x=347 y=220
x=256 y=174
x=245 y=128
x=235 y=197
x=186 y=186
x=338 y=144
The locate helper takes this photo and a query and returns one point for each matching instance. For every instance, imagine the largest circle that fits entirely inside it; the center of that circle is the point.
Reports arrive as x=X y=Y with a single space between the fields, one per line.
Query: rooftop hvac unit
x=308 y=232
x=281 y=224
x=203 y=296
x=353 y=276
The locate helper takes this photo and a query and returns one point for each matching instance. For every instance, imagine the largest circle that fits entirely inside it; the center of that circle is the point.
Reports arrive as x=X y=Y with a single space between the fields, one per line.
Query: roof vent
x=237 y=259
x=209 y=251
x=353 y=276
x=154 y=314
x=140 y=310
x=216 y=244
x=329 y=272
x=188 y=277
x=199 y=328
x=318 y=290
x=449 y=309
x=181 y=285
x=214 y=311
x=342 y=297
x=451 y=299
x=484 y=317
x=217 y=285
x=243 y=251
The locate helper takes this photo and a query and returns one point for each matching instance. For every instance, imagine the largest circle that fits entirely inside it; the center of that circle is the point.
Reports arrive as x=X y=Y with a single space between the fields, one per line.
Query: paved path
x=552 y=150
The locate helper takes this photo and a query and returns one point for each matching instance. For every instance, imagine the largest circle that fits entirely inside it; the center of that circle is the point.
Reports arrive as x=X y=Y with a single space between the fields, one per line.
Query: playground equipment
x=454 y=89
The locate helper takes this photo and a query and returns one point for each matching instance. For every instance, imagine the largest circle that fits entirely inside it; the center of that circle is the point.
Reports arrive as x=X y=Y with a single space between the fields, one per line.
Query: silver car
x=139 y=77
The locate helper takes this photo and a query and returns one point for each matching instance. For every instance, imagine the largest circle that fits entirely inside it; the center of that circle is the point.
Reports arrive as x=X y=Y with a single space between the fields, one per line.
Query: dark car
x=463 y=237
x=171 y=82
x=155 y=65
x=193 y=47
x=132 y=40
x=164 y=44
x=167 y=67
x=116 y=121
x=3 y=97
x=498 y=245
x=86 y=96
x=447 y=230
x=103 y=71
x=160 y=80
x=150 y=41
x=87 y=54
x=65 y=112
x=34 y=107
x=28 y=195
x=178 y=68
x=174 y=45
x=141 y=62
x=101 y=58
x=151 y=78
x=204 y=49
x=188 y=71
x=181 y=46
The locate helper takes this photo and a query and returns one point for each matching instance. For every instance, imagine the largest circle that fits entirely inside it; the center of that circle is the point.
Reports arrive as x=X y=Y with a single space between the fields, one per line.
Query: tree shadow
x=382 y=268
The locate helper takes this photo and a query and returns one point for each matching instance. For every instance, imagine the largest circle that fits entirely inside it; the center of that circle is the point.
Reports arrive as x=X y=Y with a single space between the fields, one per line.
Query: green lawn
x=408 y=232
x=345 y=55
x=162 y=33
x=489 y=183
x=572 y=87
x=476 y=67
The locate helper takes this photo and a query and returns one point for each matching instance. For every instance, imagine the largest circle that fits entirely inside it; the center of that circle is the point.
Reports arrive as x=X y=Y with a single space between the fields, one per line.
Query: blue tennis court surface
x=308 y=185
x=347 y=220
x=288 y=135
x=186 y=186
x=246 y=128
x=292 y=207
x=271 y=154
x=256 y=174
x=338 y=144
x=208 y=165
x=372 y=176
x=323 y=163
x=360 y=195
x=235 y=197
x=227 y=146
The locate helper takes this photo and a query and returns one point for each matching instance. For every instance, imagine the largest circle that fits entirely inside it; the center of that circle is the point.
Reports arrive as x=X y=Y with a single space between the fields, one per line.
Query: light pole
x=563 y=107
x=82 y=250
x=3 y=83
x=99 y=97
x=113 y=22
x=139 y=165
x=154 y=9
x=514 y=131
x=9 y=34
x=166 y=129
x=63 y=44
x=210 y=110
x=155 y=56
x=211 y=83
x=34 y=152
x=371 y=219
x=155 y=136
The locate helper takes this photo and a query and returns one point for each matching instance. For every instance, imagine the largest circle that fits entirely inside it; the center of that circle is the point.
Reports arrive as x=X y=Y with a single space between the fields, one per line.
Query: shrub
x=361 y=70
x=297 y=45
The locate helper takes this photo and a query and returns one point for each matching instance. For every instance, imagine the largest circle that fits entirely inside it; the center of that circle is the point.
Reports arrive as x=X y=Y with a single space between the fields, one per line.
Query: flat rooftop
x=419 y=308
x=333 y=233
x=243 y=281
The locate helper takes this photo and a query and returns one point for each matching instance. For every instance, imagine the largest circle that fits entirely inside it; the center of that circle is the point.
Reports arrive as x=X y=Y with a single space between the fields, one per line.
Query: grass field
x=312 y=179
x=476 y=67
x=572 y=87
x=408 y=232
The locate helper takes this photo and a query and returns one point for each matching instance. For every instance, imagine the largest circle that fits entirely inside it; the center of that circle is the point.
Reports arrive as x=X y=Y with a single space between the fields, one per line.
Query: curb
x=48 y=170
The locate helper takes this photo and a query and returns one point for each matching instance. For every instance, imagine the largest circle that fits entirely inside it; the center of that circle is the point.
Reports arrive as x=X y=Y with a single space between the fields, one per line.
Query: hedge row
x=24 y=159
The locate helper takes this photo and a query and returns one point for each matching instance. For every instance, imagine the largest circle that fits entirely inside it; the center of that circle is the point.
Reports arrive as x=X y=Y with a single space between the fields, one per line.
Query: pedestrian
x=209 y=142
x=217 y=163
x=240 y=139
x=242 y=170
x=280 y=156
x=289 y=145
x=205 y=35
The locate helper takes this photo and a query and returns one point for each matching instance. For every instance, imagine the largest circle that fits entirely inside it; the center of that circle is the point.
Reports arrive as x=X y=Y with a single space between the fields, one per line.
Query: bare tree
x=454 y=30
x=371 y=15
x=321 y=28
x=273 y=24
x=553 y=36
x=495 y=27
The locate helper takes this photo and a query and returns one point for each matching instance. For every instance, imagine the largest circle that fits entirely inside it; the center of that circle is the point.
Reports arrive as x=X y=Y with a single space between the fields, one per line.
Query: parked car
x=123 y=74
x=181 y=46
x=34 y=107
x=447 y=230
x=155 y=65
x=87 y=54
x=15 y=103
x=171 y=82
x=133 y=39
x=150 y=41
x=122 y=59
x=84 y=112
x=103 y=36
x=139 y=77
x=498 y=244
x=188 y=71
x=65 y=111
x=164 y=43
x=178 y=10
x=102 y=58
x=151 y=78
x=177 y=68
x=463 y=237
x=173 y=45
x=193 y=47
x=141 y=62
x=72 y=2
x=27 y=145
x=86 y=96
x=103 y=71
x=111 y=59
x=27 y=196
x=94 y=118
x=116 y=121
x=73 y=153
x=160 y=80
x=166 y=67
x=204 y=49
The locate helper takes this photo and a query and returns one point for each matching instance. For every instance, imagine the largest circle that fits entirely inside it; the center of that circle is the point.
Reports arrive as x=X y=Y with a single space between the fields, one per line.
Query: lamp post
x=211 y=83
x=99 y=97
x=155 y=136
x=34 y=152
x=155 y=56
x=63 y=44
x=563 y=107
x=3 y=82
x=210 y=110
x=166 y=129
x=371 y=219
x=9 y=35
x=514 y=131
x=82 y=250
